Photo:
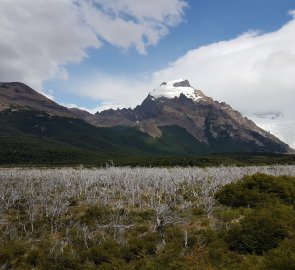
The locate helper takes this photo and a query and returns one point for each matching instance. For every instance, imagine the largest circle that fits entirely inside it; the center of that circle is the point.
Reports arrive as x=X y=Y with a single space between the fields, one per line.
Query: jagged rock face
x=110 y=118
x=209 y=121
x=182 y=83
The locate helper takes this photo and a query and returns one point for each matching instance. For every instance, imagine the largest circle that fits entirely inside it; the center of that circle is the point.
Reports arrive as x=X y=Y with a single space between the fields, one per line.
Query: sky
x=100 y=54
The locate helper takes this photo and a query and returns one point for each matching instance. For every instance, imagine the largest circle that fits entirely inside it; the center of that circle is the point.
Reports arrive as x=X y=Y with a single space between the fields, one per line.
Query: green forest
x=35 y=138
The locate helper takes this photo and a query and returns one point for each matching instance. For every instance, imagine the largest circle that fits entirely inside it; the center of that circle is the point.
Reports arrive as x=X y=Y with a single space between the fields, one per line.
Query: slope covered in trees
x=30 y=137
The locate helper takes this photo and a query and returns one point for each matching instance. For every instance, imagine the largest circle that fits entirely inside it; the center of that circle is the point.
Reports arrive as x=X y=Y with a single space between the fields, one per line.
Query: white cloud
x=125 y=22
x=166 y=12
x=109 y=91
x=39 y=37
x=253 y=72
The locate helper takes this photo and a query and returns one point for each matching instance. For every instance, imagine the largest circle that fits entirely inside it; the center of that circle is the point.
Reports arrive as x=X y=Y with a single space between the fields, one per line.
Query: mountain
x=31 y=136
x=212 y=123
x=279 y=124
x=20 y=95
x=174 y=119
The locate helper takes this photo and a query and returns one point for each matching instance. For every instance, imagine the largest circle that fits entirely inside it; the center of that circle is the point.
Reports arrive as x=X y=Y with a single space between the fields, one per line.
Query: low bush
x=259 y=232
x=258 y=189
x=283 y=257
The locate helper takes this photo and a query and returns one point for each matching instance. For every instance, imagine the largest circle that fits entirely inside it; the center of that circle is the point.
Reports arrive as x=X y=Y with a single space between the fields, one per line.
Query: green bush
x=139 y=247
x=97 y=255
x=283 y=257
x=34 y=257
x=197 y=211
x=106 y=266
x=12 y=254
x=95 y=212
x=62 y=262
x=5 y=255
x=258 y=189
x=227 y=214
x=259 y=232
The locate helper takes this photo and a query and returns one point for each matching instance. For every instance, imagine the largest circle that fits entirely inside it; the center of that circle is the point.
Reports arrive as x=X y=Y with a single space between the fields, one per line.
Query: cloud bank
x=253 y=72
x=39 y=37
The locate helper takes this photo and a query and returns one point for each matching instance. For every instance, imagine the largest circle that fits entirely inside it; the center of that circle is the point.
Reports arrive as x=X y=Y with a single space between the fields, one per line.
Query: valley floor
x=148 y=218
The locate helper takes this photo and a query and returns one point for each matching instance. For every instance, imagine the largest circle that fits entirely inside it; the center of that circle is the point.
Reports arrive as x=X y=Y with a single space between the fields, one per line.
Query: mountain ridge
x=177 y=102
x=16 y=93
x=205 y=125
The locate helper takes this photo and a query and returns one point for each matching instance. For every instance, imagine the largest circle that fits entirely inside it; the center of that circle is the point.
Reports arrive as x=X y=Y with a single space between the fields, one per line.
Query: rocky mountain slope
x=17 y=94
x=174 y=119
x=213 y=123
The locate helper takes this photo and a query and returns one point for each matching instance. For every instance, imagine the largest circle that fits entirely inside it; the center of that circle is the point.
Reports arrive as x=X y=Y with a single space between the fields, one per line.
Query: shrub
x=138 y=247
x=95 y=212
x=34 y=257
x=96 y=254
x=62 y=263
x=105 y=266
x=197 y=211
x=283 y=257
x=259 y=232
x=258 y=189
x=5 y=255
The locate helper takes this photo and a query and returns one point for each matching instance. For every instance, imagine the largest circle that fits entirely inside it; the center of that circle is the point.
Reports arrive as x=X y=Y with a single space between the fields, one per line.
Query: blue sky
x=81 y=61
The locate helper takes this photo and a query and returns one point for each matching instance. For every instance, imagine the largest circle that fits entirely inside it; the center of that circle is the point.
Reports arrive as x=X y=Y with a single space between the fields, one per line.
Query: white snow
x=168 y=90
x=282 y=126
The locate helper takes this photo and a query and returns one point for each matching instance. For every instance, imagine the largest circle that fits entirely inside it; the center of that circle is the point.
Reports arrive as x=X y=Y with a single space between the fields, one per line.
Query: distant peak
x=177 y=83
x=175 y=88
x=183 y=83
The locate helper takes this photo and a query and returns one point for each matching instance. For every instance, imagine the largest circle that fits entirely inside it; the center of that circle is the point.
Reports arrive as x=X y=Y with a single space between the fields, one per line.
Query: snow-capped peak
x=175 y=88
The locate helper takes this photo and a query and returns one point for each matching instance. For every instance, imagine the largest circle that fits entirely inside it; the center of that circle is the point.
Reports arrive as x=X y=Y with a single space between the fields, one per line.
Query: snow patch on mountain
x=278 y=124
x=175 y=88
